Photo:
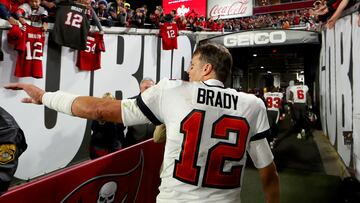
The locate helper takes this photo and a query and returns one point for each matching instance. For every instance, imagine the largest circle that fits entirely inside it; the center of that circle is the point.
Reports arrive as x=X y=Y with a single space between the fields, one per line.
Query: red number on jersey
x=277 y=102
x=300 y=94
x=186 y=169
x=270 y=102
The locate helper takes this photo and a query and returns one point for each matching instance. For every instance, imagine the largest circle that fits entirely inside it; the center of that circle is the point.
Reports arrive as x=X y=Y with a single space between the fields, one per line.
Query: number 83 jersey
x=209 y=128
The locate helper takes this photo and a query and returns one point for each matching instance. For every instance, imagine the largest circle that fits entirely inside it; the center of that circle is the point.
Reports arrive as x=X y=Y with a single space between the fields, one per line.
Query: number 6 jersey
x=209 y=128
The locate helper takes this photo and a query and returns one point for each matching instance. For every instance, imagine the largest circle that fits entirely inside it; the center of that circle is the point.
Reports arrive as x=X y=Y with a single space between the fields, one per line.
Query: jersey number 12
x=73 y=19
x=186 y=169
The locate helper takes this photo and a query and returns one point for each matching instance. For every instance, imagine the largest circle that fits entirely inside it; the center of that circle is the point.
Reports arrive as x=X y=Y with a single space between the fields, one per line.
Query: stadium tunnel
x=286 y=54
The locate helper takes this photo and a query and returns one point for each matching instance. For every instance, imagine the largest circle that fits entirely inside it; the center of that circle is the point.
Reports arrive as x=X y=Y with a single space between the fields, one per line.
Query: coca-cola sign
x=229 y=8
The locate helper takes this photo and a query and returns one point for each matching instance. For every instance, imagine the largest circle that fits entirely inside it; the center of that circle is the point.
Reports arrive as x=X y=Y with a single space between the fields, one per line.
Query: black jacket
x=12 y=145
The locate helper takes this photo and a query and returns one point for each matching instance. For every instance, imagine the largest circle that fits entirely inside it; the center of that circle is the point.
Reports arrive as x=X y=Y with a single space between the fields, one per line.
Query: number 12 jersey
x=169 y=34
x=71 y=25
x=207 y=136
x=30 y=45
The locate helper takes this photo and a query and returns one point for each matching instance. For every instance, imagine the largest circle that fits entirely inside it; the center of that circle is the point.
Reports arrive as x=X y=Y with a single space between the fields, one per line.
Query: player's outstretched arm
x=80 y=106
x=270 y=183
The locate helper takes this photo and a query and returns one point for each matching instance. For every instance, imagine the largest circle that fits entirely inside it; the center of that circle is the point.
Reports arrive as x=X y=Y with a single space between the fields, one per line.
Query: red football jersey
x=90 y=58
x=169 y=33
x=30 y=47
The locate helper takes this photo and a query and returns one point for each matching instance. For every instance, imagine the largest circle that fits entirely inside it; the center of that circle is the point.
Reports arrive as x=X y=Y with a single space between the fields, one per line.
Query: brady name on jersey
x=217 y=99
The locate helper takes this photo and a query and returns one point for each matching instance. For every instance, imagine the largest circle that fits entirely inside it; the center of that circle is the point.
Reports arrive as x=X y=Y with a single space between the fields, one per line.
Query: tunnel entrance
x=286 y=54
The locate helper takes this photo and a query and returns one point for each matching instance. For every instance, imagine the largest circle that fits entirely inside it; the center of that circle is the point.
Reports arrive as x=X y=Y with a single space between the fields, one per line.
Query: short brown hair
x=218 y=56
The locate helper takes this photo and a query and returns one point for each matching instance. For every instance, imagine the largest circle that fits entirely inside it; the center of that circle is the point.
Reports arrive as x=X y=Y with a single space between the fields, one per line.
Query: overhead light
x=302 y=71
x=262 y=67
x=269 y=72
x=254 y=55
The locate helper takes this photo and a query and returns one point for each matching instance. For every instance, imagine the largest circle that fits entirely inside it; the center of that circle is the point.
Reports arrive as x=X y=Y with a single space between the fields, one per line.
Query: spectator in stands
x=201 y=23
x=175 y=17
x=191 y=24
x=145 y=8
x=138 y=20
x=157 y=17
x=329 y=11
x=334 y=17
x=93 y=17
x=182 y=23
x=50 y=6
x=129 y=14
x=8 y=9
x=106 y=137
x=33 y=14
x=139 y=133
x=118 y=12
x=286 y=24
x=103 y=13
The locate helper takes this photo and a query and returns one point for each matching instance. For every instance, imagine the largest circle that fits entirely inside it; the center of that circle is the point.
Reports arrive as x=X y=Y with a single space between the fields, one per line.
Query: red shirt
x=30 y=47
x=90 y=58
x=169 y=33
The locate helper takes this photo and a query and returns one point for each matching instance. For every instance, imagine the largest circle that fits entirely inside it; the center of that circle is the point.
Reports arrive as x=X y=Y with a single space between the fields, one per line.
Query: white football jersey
x=208 y=130
x=299 y=93
x=273 y=100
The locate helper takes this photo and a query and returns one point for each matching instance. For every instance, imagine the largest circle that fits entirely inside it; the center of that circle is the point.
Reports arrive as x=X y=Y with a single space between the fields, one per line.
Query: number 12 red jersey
x=30 y=45
x=169 y=34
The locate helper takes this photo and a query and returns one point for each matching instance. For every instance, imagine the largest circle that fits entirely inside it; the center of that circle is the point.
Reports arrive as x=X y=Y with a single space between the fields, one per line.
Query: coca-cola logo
x=234 y=8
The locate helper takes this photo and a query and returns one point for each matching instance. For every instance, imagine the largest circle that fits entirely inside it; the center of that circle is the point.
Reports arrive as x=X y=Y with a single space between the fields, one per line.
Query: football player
x=209 y=128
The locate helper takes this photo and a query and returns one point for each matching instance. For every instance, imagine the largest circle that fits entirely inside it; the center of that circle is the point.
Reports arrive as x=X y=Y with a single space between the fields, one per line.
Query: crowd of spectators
x=120 y=13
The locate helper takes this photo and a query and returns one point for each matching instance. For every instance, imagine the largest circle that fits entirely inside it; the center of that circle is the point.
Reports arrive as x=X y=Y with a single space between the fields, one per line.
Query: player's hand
x=35 y=94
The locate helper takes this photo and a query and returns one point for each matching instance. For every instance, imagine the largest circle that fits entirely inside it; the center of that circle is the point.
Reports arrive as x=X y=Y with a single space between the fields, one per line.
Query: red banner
x=129 y=175
x=184 y=6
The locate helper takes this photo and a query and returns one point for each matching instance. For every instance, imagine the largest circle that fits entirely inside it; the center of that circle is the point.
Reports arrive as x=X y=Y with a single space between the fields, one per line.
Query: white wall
x=339 y=76
x=54 y=139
